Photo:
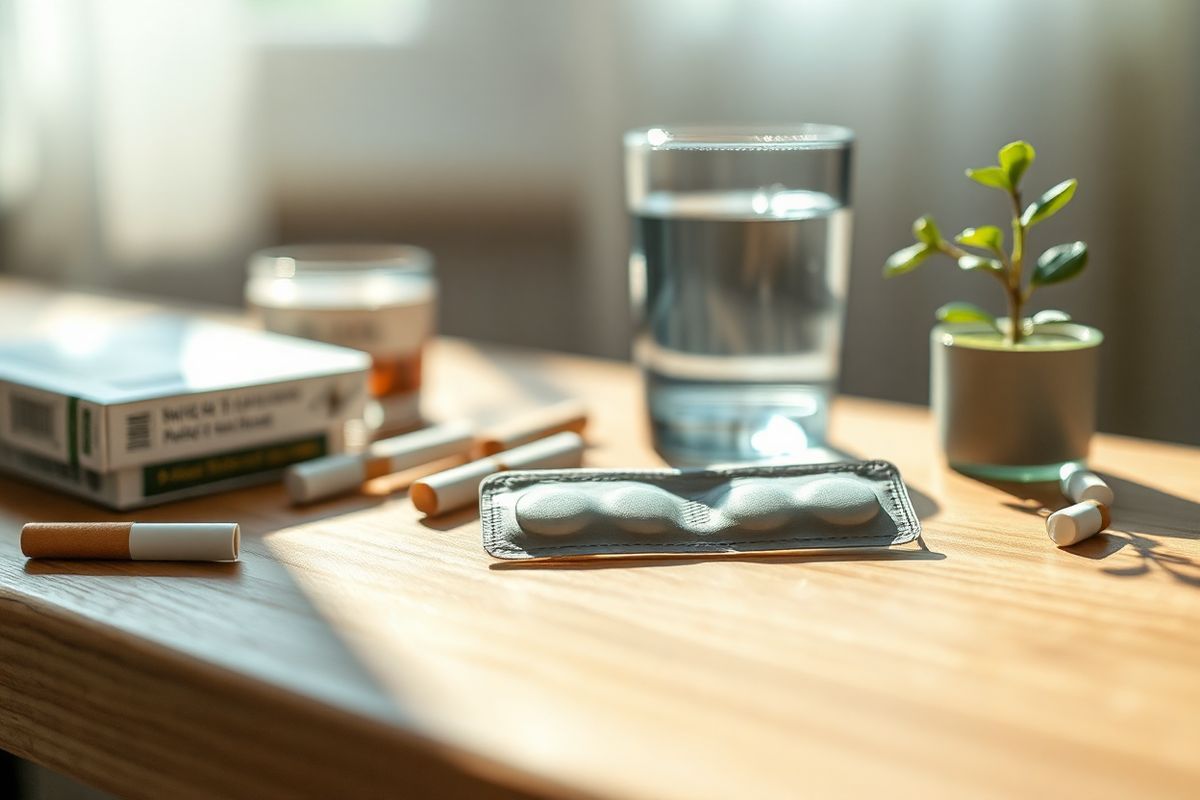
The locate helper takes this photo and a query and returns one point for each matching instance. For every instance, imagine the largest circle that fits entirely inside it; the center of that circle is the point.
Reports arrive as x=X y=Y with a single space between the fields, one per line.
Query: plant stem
x=1015 y=301
x=1016 y=297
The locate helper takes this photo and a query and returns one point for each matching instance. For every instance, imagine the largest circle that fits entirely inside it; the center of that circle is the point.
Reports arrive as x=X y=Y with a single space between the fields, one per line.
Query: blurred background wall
x=150 y=145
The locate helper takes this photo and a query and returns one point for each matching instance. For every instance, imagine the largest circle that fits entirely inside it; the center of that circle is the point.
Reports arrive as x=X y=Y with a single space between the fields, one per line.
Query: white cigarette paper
x=459 y=486
x=568 y=415
x=320 y=478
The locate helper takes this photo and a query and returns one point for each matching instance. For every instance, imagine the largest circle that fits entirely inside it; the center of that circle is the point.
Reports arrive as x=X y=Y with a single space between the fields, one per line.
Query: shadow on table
x=450 y=520
x=227 y=570
x=313 y=512
x=252 y=615
x=925 y=506
x=918 y=552
x=1142 y=518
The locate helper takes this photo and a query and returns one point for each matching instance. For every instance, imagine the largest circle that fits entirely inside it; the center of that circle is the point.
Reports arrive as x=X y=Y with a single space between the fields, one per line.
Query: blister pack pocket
x=579 y=512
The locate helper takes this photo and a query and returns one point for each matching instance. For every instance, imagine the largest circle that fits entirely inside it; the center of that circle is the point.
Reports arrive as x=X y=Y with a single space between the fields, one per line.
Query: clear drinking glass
x=738 y=273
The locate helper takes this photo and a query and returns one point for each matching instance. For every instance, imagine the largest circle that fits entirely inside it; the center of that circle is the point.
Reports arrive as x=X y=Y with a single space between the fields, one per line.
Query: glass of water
x=738 y=272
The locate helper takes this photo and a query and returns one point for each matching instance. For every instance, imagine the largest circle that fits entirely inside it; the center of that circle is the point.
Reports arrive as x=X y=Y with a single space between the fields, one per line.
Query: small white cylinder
x=184 y=541
x=420 y=447
x=319 y=478
x=459 y=486
x=452 y=488
x=561 y=450
x=567 y=415
x=1076 y=523
x=1078 y=484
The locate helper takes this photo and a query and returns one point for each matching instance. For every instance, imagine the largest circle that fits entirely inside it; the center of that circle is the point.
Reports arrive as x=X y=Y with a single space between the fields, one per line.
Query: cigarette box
x=154 y=483
x=128 y=411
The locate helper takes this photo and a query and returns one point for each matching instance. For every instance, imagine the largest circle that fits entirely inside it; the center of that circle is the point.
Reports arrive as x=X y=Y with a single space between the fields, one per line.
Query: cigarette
x=132 y=541
x=320 y=478
x=459 y=486
x=1076 y=523
x=568 y=415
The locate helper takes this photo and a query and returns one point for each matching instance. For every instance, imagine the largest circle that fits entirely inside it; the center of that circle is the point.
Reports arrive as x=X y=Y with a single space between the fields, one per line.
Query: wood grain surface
x=359 y=650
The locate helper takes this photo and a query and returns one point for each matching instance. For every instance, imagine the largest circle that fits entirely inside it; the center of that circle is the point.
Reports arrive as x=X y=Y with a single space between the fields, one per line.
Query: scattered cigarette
x=1078 y=484
x=132 y=541
x=568 y=415
x=320 y=478
x=1078 y=522
x=459 y=486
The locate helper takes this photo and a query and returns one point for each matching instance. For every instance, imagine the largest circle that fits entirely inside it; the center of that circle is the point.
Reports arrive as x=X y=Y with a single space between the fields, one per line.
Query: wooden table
x=358 y=650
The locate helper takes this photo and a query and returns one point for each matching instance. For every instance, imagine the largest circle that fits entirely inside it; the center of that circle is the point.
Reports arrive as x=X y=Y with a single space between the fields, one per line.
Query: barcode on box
x=30 y=418
x=137 y=432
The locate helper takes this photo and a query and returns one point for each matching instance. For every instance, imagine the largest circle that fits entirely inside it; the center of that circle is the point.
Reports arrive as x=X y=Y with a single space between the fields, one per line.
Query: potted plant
x=1014 y=397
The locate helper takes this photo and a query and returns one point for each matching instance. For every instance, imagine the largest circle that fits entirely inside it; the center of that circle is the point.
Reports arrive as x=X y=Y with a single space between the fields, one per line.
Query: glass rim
x=795 y=136
x=348 y=258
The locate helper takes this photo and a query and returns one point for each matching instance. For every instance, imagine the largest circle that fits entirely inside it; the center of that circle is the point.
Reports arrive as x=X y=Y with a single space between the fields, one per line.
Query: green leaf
x=995 y=177
x=1050 y=316
x=1060 y=263
x=1015 y=158
x=988 y=236
x=907 y=259
x=972 y=262
x=1055 y=198
x=926 y=230
x=964 y=312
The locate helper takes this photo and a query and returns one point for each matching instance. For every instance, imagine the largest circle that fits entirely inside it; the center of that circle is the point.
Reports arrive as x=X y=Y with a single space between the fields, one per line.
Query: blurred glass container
x=379 y=298
x=738 y=272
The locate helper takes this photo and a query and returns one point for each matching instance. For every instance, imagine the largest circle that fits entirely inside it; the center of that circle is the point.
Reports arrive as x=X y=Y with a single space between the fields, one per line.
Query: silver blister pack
x=579 y=512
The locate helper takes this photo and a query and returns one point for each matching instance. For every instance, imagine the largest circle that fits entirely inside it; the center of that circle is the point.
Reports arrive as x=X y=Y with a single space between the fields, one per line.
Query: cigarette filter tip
x=320 y=478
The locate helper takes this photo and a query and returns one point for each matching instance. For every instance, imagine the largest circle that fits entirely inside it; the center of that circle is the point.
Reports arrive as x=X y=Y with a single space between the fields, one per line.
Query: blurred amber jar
x=380 y=298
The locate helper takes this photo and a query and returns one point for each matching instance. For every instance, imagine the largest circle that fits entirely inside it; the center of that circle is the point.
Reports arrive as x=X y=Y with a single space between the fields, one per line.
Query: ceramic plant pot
x=1019 y=413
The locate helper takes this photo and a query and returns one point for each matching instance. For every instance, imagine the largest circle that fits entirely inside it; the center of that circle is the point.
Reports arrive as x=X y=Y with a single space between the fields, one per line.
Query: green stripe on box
x=174 y=475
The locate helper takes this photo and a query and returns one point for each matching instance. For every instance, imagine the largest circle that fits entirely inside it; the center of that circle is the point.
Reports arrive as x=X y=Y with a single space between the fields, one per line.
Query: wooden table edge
x=402 y=759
